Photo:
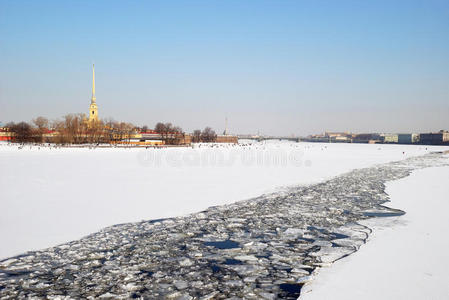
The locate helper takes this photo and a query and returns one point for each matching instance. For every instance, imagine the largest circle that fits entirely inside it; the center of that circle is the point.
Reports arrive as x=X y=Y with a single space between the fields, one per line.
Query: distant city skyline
x=273 y=67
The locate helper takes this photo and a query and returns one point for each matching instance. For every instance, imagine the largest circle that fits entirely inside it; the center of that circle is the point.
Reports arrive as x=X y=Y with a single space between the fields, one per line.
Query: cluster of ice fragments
x=262 y=248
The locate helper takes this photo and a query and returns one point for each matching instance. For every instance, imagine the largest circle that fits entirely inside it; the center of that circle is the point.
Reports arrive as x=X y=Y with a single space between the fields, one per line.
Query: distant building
x=335 y=134
x=50 y=135
x=408 y=138
x=143 y=142
x=342 y=139
x=151 y=137
x=437 y=138
x=6 y=134
x=338 y=137
x=390 y=138
x=232 y=139
x=316 y=138
x=370 y=138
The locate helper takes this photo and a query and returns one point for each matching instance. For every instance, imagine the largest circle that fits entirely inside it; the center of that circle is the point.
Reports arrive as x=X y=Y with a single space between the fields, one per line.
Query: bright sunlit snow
x=406 y=257
x=50 y=196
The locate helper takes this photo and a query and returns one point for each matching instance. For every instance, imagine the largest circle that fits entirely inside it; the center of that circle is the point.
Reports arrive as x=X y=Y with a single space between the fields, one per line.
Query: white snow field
x=406 y=257
x=50 y=196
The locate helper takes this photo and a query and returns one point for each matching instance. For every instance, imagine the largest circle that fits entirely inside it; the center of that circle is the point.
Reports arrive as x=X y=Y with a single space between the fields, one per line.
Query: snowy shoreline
x=387 y=267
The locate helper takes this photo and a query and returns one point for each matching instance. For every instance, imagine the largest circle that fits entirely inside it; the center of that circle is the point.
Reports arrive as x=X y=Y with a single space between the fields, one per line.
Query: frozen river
x=263 y=247
x=52 y=196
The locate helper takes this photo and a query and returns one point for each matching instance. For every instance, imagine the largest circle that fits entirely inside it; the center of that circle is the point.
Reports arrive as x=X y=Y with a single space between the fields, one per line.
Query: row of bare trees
x=75 y=129
x=208 y=135
x=23 y=132
x=27 y=133
x=172 y=135
x=71 y=129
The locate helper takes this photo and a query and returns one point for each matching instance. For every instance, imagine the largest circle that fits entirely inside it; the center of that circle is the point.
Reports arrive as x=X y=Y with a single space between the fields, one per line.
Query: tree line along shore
x=76 y=129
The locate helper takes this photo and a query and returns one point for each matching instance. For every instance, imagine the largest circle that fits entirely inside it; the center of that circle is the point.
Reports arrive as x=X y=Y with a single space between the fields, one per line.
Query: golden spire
x=93 y=84
x=93 y=109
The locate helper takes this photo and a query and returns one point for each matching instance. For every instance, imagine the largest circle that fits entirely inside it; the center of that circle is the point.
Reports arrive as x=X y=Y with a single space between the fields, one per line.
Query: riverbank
x=405 y=257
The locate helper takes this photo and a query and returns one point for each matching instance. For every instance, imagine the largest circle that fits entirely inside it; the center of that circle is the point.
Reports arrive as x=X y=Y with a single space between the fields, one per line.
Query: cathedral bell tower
x=93 y=109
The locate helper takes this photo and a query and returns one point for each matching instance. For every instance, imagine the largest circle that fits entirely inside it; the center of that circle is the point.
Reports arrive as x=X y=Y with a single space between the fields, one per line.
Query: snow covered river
x=264 y=247
x=51 y=196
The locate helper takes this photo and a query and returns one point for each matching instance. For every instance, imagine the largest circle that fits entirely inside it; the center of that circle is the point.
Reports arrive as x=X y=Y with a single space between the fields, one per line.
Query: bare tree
x=42 y=127
x=110 y=130
x=61 y=137
x=41 y=122
x=163 y=129
x=75 y=129
x=170 y=134
x=23 y=132
x=159 y=128
x=196 y=136
x=208 y=135
x=96 y=132
x=177 y=136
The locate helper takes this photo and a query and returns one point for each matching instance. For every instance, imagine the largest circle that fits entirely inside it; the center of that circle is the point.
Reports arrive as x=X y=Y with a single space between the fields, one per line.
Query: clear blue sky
x=278 y=67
